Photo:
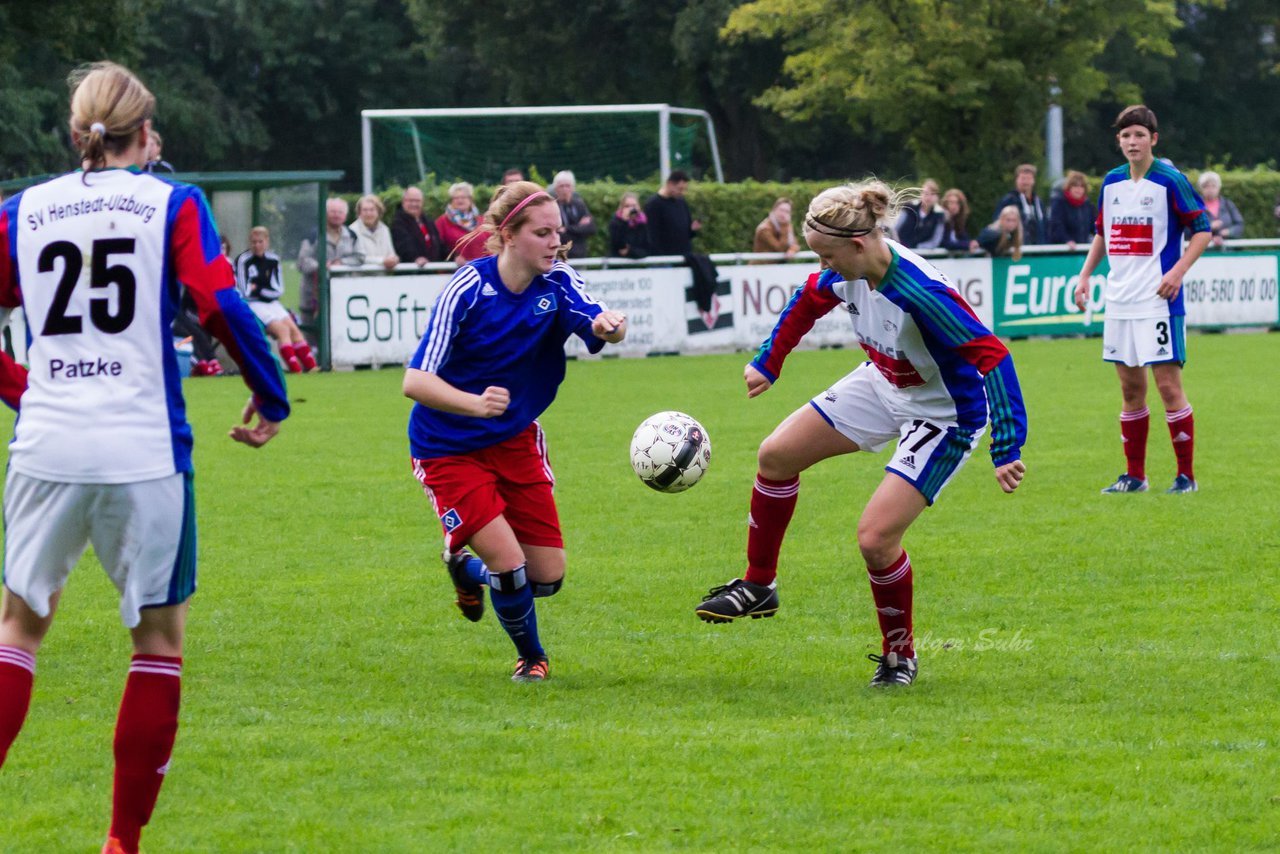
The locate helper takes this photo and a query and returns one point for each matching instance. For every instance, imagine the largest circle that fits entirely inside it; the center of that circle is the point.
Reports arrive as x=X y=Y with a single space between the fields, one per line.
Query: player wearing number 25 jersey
x=101 y=452
x=96 y=259
x=934 y=378
x=1143 y=208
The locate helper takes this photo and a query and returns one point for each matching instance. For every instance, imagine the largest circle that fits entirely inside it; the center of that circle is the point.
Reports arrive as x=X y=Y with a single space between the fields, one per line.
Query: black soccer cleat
x=531 y=669
x=893 y=669
x=470 y=595
x=739 y=598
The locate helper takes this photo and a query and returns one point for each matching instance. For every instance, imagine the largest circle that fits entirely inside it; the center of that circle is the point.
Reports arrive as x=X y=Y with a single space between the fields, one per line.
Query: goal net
x=624 y=143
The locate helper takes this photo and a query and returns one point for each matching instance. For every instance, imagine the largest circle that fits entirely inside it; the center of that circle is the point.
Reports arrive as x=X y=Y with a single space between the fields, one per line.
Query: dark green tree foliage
x=824 y=89
x=278 y=84
x=40 y=42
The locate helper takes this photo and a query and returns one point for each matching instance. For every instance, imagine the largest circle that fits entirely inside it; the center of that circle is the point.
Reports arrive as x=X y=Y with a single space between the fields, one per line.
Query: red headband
x=538 y=195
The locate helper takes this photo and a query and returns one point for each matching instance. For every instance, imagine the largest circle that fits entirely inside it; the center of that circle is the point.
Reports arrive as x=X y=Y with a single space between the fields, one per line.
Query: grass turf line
x=1095 y=669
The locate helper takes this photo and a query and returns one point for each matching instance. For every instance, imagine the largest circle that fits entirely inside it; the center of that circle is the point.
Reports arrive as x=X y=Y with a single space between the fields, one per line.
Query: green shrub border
x=731 y=212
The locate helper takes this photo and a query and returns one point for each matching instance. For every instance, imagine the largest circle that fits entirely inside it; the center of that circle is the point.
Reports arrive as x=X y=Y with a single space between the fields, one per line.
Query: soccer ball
x=670 y=451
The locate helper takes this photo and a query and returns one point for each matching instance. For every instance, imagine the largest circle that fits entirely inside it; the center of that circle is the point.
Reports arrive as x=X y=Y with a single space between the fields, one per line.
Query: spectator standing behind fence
x=514 y=175
x=459 y=219
x=155 y=156
x=1225 y=221
x=574 y=214
x=1004 y=236
x=955 y=236
x=922 y=225
x=260 y=283
x=671 y=223
x=629 y=229
x=775 y=233
x=1072 y=214
x=414 y=236
x=373 y=238
x=340 y=249
x=1030 y=208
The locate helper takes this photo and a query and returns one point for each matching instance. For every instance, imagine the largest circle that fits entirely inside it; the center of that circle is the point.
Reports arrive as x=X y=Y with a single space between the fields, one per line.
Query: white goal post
x=663 y=112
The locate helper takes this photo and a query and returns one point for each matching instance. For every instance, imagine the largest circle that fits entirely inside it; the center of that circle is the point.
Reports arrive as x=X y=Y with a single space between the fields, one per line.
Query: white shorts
x=143 y=533
x=1145 y=341
x=930 y=450
x=268 y=312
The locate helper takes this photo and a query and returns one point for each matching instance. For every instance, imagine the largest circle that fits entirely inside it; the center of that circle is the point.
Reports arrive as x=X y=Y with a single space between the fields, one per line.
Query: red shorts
x=511 y=479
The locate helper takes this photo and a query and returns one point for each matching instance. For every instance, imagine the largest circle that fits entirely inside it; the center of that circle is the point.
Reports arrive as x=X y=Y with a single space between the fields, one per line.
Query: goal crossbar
x=662 y=111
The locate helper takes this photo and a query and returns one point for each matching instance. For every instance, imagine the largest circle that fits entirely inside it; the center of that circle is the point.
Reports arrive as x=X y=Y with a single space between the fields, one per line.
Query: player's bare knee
x=1170 y=389
x=775 y=460
x=879 y=545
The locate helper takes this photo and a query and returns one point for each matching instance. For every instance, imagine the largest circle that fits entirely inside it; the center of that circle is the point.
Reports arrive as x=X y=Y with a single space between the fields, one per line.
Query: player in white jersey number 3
x=102 y=450
x=1143 y=208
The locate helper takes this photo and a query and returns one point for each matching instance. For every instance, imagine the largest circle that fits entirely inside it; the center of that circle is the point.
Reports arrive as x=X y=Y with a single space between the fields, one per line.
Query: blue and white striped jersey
x=481 y=334
x=933 y=355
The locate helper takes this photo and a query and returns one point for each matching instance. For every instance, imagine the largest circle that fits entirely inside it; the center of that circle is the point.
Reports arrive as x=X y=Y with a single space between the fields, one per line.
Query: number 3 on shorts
x=1162 y=332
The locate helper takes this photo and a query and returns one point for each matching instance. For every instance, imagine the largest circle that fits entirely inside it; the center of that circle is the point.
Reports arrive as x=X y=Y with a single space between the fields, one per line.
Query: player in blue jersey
x=1143 y=208
x=101 y=451
x=935 y=376
x=489 y=364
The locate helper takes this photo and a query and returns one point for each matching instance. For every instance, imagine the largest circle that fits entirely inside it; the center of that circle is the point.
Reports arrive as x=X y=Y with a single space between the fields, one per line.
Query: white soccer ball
x=670 y=451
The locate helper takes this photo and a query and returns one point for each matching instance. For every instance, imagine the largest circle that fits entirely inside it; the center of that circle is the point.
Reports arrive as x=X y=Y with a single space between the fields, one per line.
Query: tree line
x=818 y=89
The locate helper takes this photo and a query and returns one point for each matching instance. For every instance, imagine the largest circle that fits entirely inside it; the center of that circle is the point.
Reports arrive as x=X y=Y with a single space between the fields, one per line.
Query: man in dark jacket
x=1035 y=225
x=671 y=224
x=413 y=235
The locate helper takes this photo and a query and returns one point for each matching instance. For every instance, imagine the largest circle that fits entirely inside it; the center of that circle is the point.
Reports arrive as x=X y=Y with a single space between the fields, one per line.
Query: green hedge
x=730 y=212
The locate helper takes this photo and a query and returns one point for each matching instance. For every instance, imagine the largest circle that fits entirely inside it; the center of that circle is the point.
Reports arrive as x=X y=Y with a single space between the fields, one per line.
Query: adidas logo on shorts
x=909 y=461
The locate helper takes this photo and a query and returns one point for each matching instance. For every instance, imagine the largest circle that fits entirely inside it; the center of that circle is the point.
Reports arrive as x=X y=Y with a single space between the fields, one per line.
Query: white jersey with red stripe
x=1142 y=223
x=95 y=260
x=934 y=358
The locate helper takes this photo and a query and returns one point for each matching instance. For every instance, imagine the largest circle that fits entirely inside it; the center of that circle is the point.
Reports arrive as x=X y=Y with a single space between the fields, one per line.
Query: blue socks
x=512 y=599
x=476 y=571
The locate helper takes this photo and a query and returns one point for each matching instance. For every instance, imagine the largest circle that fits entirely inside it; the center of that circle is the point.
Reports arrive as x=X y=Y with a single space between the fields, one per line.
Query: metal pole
x=366 y=152
x=322 y=280
x=664 y=143
x=1053 y=135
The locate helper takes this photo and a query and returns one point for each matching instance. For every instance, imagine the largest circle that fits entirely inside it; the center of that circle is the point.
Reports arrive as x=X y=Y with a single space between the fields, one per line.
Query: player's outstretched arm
x=1010 y=475
x=254 y=435
x=433 y=391
x=757 y=383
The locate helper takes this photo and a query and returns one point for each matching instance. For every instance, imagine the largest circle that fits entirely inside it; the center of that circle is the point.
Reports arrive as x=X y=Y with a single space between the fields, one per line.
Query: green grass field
x=1097 y=673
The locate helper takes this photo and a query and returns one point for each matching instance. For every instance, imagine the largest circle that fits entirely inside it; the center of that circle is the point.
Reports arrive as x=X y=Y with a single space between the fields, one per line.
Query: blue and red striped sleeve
x=199 y=264
x=943 y=315
x=13 y=377
x=1186 y=202
x=807 y=305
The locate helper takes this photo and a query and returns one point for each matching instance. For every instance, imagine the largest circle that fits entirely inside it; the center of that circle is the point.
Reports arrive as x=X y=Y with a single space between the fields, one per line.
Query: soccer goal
x=623 y=142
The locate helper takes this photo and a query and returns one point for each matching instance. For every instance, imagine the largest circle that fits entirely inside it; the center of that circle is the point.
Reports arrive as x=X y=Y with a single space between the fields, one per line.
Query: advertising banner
x=1034 y=296
x=378 y=319
x=1232 y=290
